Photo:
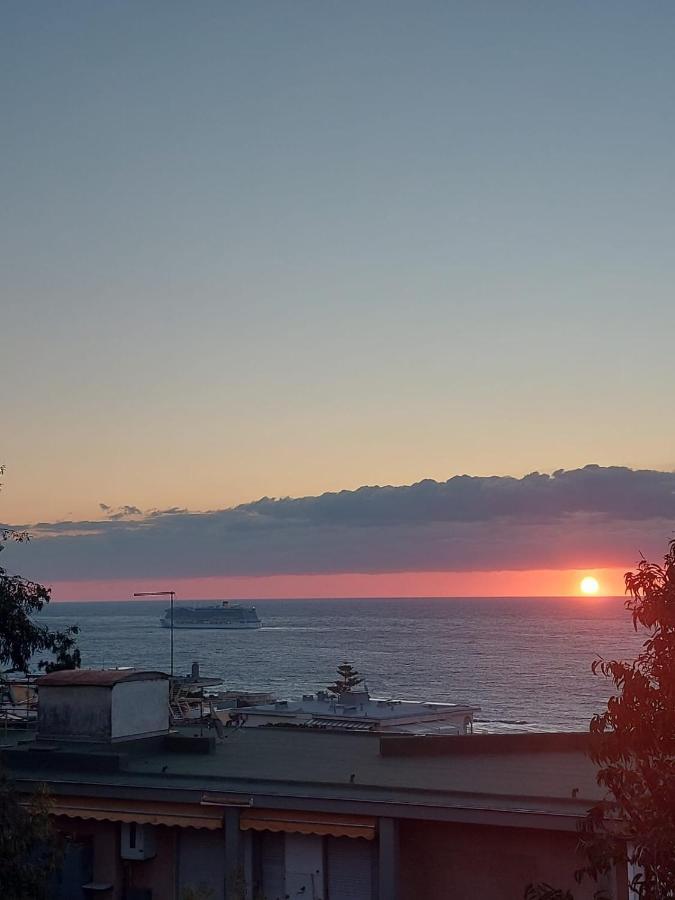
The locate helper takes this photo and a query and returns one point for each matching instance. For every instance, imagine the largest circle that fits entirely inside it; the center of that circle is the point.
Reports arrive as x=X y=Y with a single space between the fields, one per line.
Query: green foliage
x=348 y=678
x=20 y=637
x=29 y=851
x=633 y=743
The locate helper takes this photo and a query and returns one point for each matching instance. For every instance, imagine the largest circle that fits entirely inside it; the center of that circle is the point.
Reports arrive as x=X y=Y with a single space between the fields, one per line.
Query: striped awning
x=300 y=822
x=146 y=812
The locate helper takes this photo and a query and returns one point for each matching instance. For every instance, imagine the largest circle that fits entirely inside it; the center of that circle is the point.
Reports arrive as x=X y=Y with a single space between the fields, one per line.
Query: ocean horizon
x=525 y=661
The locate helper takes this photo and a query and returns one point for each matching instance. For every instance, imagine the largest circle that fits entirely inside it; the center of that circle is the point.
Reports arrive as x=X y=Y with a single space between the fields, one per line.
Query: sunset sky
x=273 y=249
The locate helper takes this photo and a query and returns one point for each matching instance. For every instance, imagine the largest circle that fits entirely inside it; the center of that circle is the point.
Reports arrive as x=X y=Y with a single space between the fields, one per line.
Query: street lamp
x=171 y=594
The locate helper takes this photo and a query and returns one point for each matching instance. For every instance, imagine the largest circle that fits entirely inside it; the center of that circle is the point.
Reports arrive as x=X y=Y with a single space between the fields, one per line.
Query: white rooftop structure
x=102 y=705
x=356 y=710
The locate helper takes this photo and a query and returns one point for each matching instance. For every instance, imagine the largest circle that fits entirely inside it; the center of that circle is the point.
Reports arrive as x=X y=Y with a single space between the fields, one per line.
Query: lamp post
x=171 y=594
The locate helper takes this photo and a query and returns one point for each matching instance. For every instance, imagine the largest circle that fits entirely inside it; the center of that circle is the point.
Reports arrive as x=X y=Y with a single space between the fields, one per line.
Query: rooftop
x=360 y=706
x=526 y=775
x=96 y=677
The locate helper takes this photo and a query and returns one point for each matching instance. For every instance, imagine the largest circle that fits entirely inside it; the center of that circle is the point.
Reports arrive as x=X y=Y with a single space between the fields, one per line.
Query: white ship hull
x=233 y=626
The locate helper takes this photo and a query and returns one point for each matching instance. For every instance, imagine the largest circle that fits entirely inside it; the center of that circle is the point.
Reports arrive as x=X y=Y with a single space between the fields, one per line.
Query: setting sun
x=589 y=585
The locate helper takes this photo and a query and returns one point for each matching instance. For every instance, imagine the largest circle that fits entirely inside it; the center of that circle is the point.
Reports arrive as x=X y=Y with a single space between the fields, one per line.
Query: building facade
x=276 y=812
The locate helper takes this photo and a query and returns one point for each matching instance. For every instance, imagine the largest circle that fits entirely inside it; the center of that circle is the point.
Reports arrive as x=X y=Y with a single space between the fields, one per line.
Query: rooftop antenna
x=171 y=594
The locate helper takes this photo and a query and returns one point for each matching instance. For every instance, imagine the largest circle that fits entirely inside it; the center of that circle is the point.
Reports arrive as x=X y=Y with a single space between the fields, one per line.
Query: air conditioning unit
x=137 y=841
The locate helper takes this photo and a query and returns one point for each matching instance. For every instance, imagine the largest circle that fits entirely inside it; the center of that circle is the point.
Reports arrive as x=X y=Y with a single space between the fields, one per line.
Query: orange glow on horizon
x=531 y=583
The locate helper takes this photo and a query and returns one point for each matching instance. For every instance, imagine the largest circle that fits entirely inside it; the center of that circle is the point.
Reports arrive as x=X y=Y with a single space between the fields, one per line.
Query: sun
x=589 y=585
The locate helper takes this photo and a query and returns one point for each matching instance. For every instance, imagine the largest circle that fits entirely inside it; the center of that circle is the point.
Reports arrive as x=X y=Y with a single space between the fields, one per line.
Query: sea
x=526 y=662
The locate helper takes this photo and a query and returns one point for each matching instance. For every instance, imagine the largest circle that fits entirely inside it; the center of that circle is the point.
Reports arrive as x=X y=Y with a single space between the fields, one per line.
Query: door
x=76 y=870
x=350 y=864
x=304 y=867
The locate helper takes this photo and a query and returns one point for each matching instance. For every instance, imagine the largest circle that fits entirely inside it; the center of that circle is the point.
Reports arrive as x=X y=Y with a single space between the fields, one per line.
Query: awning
x=146 y=812
x=333 y=824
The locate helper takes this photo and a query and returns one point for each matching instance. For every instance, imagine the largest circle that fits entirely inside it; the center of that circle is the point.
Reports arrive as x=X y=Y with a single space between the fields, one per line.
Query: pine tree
x=348 y=678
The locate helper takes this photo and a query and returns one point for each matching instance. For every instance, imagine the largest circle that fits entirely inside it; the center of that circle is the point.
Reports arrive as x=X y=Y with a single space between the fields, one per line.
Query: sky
x=287 y=249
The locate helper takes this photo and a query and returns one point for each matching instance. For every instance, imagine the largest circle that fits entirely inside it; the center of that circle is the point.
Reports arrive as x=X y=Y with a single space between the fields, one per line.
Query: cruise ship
x=219 y=615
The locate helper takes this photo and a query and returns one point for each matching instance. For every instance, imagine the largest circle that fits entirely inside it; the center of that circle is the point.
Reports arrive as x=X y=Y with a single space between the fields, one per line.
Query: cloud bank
x=590 y=517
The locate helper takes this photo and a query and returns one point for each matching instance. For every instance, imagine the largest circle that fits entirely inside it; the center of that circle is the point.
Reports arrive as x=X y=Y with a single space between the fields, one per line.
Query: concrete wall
x=160 y=873
x=108 y=867
x=98 y=714
x=465 y=862
x=77 y=713
x=139 y=708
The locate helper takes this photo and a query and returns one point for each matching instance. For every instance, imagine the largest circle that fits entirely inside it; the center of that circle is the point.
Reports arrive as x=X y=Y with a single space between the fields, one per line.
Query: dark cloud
x=171 y=511
x=122 y=512
x=615 y=491
x=585 y=517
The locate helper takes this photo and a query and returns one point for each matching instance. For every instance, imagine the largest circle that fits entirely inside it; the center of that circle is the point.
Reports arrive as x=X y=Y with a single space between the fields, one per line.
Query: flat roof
x=291 y=767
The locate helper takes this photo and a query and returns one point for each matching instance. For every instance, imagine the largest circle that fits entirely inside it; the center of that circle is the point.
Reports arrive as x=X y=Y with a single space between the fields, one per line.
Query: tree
x=348 y=678
x=20 y=637
x=29 y=849
x=633 y=745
